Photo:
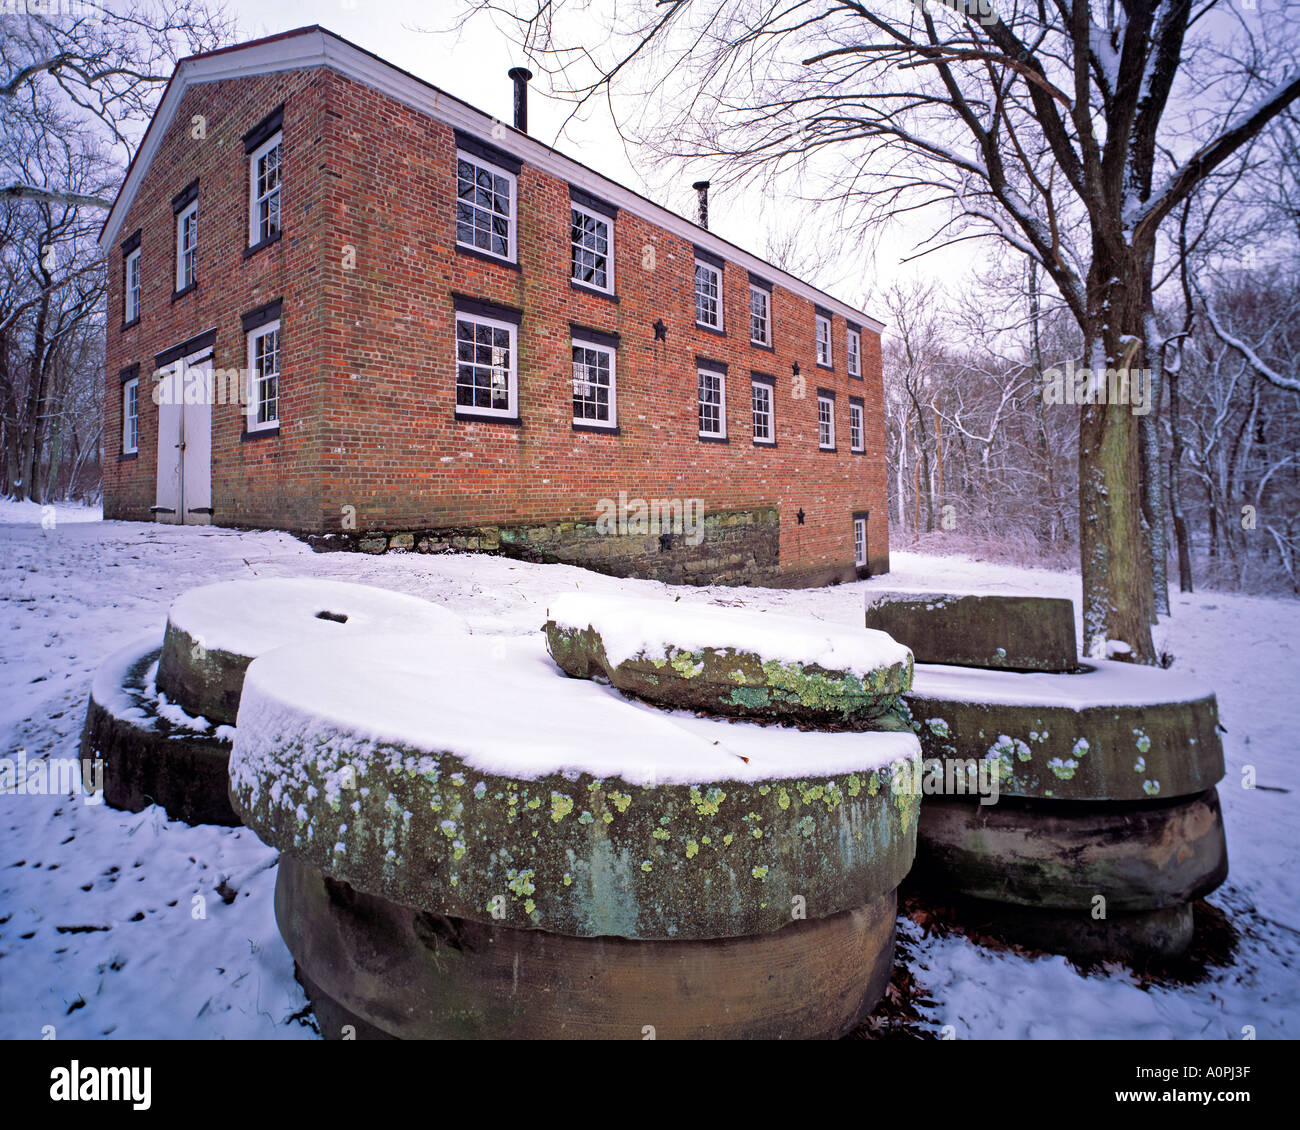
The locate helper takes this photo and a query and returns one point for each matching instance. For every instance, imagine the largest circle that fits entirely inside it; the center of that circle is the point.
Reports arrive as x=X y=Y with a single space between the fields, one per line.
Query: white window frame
x=855 y=353
x=255 y=237
x=511 y=410
x=770 y=439
x=611 y=424
x=857 y=440
x=826 y=427
x=252 y=423
x=599 y=218
x=131 y=285
x=823 y=335
x=721 y=377
x=482 y=163
x=766 y=339
x=859 y=543
x=191 y=209
x=716 y=272
x=131 y=419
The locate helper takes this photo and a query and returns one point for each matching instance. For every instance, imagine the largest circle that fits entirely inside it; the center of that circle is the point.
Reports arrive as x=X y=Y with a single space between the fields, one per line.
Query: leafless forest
x=876 y=111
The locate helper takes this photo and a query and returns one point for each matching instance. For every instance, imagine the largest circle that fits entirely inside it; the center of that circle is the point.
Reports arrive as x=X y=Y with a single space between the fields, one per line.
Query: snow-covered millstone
x=474 y=844
x=477 y=778
x=1112 y=731
x=1107 y=825
x=1011 y=633
x=215 y=631
x=729 y=661
x=154 y=752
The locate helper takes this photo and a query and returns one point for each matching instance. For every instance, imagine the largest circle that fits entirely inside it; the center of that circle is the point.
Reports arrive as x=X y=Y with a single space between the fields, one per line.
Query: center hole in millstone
x=336 y=617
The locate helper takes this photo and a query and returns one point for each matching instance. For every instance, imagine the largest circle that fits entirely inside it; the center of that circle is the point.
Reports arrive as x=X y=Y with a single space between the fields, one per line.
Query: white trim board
x=317 y=47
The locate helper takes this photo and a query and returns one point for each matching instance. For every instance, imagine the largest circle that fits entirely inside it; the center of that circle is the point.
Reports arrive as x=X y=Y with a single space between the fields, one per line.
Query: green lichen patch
x=1053 y=747
x=739 y=683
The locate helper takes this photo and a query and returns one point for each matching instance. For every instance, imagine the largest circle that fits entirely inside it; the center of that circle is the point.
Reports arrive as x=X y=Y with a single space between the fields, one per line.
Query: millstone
x=1061 y=854
x=476 y=781
x=1114 y=731
x=150 y=758
x=1013 y=633
x=215 y=631
x=1132 y=936
x=730 y=662
x=391 y=970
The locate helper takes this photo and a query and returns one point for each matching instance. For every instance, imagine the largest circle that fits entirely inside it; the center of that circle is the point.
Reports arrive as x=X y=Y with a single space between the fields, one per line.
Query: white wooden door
x=170 y=391
x=184 y=489
x=196 y=446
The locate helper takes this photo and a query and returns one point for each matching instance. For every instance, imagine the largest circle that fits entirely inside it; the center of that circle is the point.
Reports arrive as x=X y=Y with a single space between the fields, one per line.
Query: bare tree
x=1045 y=123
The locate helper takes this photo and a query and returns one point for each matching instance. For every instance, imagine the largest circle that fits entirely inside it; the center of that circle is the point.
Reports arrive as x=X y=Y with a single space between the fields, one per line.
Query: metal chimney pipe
x=702 y=192
x=522 y=76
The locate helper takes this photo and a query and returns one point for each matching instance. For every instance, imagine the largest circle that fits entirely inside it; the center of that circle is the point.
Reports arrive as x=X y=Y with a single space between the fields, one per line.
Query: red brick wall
x=368 y=372
x=270 y=481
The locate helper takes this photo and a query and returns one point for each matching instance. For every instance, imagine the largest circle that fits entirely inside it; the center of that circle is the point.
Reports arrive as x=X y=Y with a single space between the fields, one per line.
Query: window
x=855 y=353
x=187 y=246
x=264 y=192
x=594 y=385
x=131 y=416
x=824 y=341
x=764 y=426
x=708 y=295
x=713 y=404
x=859 y=541
x=855 y=425
x=825 y=421
x=131 y=288
x=485 y=366
x=485 y=207
x=264 y=376
x=591 y=238
x=760 y=303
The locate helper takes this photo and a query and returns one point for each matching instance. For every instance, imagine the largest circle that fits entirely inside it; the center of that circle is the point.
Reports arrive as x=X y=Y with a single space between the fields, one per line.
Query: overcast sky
x=472 y=65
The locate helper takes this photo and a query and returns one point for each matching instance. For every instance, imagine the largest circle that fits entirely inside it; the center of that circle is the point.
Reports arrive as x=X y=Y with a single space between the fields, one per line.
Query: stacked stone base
x=391 y=971
x=1086 y=879
x=1106 y=826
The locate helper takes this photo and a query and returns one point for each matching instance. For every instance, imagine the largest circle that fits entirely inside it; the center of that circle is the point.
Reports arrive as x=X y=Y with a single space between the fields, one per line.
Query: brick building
x=357 y=308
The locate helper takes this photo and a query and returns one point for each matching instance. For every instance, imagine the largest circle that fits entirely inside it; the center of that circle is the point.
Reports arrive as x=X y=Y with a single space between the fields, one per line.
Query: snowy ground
x=130 y=925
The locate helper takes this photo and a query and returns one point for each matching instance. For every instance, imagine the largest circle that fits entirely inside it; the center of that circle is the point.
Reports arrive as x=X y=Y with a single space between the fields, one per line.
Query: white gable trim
x=318 y=47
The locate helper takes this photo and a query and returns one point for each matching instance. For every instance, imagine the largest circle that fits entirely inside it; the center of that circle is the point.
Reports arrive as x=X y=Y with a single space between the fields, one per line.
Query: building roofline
x=316 y=46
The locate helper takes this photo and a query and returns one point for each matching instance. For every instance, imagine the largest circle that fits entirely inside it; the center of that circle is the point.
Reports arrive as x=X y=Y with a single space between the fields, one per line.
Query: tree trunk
x=1118 y=601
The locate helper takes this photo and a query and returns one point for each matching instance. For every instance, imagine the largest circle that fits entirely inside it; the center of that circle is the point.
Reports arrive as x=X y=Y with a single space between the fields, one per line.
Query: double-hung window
x=486 y=213
x=764 y=421
x=824 y=341
x=595 y=380
x=855 y=352
x=712 y=400
x=856 y=442
x=708 y=290
x=131 y=416
x=264 y=376
x=760 y=316
x=486 y=361
x=131 y=288
x=591 y=247
x=825 y=420
x=264 y=192
x=264 y=149
x=859 y=541
x=185 y=205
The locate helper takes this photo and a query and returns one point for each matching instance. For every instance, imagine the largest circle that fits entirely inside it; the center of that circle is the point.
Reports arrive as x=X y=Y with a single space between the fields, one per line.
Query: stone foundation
x=738 y=547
